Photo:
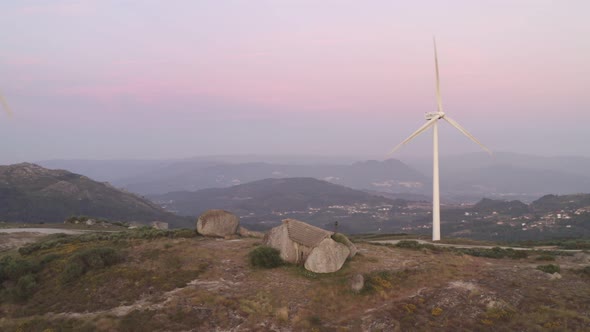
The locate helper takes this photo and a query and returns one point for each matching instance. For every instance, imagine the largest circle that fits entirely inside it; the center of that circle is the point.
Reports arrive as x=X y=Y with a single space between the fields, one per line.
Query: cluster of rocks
x=318 y=250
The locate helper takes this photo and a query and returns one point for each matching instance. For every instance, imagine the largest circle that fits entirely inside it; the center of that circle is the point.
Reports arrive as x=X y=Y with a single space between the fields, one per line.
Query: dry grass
x=208 y=284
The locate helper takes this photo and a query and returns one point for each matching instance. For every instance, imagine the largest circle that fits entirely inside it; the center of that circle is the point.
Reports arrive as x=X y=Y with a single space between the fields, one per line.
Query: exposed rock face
x=327 y=257
x=344 y=240
x=217 y=223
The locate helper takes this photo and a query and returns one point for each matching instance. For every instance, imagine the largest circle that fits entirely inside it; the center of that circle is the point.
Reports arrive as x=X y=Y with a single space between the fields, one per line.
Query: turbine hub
x=432 y=115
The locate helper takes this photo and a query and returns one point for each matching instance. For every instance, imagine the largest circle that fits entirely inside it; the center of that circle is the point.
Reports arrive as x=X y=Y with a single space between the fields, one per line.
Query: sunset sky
x=172 y=78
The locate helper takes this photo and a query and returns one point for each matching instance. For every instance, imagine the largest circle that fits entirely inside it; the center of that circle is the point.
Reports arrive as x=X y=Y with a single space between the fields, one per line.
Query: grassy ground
x=178 y=281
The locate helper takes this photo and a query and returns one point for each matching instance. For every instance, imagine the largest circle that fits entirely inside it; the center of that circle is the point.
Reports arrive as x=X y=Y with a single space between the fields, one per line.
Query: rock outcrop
x=218 y=223
x=327 y=257
x=244 y=232
x=313 y=247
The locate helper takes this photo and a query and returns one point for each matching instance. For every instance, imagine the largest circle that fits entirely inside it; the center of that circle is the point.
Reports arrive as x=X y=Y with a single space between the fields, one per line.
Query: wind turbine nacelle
x=432 y=115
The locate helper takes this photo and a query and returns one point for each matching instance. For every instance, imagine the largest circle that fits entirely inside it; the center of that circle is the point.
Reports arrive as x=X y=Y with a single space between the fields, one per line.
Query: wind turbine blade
x=466 y=133
x=416 y=133
x=438 y=98
x=5 y=105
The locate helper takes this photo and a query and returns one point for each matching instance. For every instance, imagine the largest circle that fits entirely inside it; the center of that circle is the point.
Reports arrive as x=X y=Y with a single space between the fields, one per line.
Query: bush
x=17 y=277
x=378 y=281
x=265 y=257
x=495 y=252
x=25 y=287
x=13 y=269
x=549 y=268
x=89 y=259
x=545 y=257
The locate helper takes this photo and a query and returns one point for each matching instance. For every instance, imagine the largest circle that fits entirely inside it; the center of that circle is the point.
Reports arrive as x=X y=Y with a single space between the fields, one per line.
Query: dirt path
x=12 y=238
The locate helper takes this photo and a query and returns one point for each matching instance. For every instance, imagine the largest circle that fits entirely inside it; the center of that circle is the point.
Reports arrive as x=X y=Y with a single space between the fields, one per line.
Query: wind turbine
x=432 y=119
x=5 y=106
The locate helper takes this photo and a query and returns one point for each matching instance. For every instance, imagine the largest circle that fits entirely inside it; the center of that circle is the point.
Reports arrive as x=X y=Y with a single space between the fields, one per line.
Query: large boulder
x=218 y=223
x=327 y=257
x=278 y=238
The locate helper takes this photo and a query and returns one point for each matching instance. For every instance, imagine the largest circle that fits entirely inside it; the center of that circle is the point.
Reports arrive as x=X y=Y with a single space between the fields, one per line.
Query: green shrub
x=13 y=269
x=549 y=268
x=545 y=257
x=87 y=260
x=25 y=287
x=495 y=252
x=265 y=257
x=378 y=281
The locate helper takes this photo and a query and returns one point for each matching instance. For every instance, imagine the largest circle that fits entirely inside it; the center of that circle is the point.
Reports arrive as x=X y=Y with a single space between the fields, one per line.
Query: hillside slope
x=266 y=196
x=190 y=283
x=31 y=193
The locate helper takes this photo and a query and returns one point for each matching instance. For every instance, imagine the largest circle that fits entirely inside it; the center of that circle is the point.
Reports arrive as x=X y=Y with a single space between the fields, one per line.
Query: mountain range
x=464 y=178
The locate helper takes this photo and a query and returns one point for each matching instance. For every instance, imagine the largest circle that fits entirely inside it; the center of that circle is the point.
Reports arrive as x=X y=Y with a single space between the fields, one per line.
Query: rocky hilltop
x=179 y=281
x=31 y=193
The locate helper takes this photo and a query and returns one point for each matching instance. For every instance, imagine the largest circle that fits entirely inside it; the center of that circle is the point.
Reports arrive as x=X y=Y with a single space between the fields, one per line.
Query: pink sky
x=321 y=67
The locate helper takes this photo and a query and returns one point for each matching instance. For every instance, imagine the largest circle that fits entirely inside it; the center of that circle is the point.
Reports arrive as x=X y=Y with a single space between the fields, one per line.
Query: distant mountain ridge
x=464 y=178
x=268 y=195
x=389 y=175
x=31 y=193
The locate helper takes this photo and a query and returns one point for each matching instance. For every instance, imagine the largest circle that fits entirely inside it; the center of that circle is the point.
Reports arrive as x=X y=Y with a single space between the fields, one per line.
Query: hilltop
x=177 y=281
x=31 y=193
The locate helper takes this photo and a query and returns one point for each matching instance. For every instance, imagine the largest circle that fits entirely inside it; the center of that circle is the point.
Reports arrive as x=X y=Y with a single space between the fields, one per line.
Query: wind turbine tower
x=431 y=121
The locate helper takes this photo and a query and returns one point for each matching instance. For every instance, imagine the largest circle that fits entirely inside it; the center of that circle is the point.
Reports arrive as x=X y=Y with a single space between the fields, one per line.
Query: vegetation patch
x=383 y=281
x=415 y=245
x=146 y=233
x=495 y=252
x=18 y=277
x=90 y=259
x=549 y=268
x=265 y=257
x=545 y=257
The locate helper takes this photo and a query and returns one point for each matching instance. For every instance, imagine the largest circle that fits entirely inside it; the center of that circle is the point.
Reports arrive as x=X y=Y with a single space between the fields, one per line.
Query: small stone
x=357 y=283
